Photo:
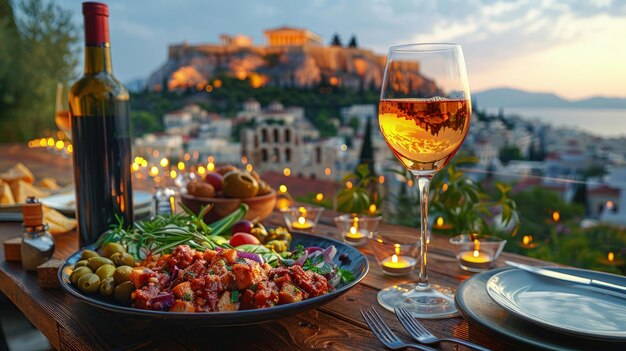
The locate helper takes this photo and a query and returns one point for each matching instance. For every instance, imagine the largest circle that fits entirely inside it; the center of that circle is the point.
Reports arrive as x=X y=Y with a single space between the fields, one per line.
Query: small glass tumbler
x=355 y=229
x=396 y=252
x=477 y=253
x=303 y=218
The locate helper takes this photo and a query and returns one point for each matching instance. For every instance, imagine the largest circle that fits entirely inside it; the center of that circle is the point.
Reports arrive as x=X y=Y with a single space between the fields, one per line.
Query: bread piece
x=57 y=222
x=48 y=183
x=6 y=195
x=13 y=250
x=18 y=172
x=22 y=190
x=47 y=273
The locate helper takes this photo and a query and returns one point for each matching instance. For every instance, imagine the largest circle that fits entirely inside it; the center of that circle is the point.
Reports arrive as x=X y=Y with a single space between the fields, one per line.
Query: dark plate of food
x=250 y=291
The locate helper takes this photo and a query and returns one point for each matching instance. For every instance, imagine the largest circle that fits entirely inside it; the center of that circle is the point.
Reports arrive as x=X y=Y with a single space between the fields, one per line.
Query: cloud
x=493 y=33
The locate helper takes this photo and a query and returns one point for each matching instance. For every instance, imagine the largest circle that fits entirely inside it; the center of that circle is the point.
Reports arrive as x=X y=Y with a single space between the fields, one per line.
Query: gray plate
x=66 y=202
x=347 y=258
x=564 y=306
x=481 y=311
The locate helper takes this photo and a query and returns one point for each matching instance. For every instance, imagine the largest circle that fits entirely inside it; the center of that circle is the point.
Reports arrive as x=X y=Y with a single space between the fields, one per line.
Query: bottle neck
x=98 y=59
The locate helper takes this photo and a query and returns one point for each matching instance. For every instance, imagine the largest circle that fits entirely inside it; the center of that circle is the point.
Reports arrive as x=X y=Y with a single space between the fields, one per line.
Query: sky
x=574 y=48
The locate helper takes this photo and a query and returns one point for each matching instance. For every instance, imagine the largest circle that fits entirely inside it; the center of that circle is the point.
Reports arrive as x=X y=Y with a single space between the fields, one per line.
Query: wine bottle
x=100 y=110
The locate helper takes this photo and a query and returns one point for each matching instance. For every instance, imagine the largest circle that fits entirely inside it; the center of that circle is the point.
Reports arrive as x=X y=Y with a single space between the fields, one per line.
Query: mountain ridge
x=509 y=97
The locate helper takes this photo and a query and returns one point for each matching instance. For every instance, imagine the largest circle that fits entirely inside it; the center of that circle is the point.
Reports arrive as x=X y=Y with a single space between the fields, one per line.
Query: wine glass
x=62 y=110
x=424 y=115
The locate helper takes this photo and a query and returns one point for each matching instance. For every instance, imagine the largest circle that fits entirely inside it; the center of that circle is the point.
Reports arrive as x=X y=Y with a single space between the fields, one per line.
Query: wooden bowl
x=260 y=206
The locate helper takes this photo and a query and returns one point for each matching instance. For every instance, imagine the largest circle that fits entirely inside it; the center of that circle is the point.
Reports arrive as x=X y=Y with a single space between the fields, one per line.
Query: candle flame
x=181 y=166
x=164 y=162
x=301 y=220
x=173 y=174
x=527 y=239
x=249 y=167
x=319 y=197
x=286 y=172
x=154 y=171
x=353 y=230
x=210 y=166
x=394 y=259
x=244 y=159
x=372 y=209
x=556 y=216
x=396 y=248
x=611 y=257
x=349 y=184
x=201 y=170
x=282 y=188
x=440 y=221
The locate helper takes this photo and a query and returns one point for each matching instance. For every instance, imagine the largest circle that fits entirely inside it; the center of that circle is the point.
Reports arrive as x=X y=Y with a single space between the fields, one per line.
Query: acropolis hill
x=292 y=57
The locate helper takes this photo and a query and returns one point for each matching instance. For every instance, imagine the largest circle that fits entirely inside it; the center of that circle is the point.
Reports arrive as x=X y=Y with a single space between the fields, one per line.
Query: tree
x=37 y=50
x=367 y=149
x=509 y=153
x=336 y=41
x=143 y=122
x=353 y=44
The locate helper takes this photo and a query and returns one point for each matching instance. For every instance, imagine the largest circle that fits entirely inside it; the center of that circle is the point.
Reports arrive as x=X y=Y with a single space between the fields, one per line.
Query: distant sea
x=600 y=122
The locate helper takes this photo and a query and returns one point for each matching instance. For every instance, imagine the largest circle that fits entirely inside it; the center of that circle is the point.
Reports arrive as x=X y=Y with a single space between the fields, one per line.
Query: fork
x=385 y=335
x=421 y=334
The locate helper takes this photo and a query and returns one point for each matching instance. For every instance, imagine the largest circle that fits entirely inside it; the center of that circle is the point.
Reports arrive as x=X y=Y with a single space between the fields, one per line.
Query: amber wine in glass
x=424 y=115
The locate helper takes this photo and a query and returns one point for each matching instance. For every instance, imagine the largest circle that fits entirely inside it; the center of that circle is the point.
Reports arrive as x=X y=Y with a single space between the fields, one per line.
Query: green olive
x=87 y=254
x=122 y=292
x=106 y=286
x=89 y=283
x=105 y=271
x=96 y=262
x=279 y=234
x=239 y=185
x=122 y=274
x=277 y=245
x=77 y=273
x=122 y=259
x=81 y=263
x=111 y=248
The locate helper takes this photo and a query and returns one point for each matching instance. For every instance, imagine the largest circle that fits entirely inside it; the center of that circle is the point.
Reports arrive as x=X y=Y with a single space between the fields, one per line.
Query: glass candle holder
x=395 y=252
x=355 y=229
x=477 y=253
x=302 y=218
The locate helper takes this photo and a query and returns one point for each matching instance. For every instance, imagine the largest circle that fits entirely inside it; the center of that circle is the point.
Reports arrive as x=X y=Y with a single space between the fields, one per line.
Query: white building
x=615 y=212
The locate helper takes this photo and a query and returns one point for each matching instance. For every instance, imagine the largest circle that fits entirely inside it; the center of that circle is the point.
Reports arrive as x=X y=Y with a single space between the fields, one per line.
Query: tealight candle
x=475 y=260
x=302 y=223
x=440 y=224
x=398 y=265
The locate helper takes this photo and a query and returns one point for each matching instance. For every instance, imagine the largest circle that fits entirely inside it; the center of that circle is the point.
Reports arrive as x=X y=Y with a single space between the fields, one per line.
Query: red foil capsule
x=96 y=15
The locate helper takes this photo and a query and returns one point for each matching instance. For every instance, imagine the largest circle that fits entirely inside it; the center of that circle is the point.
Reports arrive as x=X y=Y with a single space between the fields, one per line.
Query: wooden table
x=73 y=325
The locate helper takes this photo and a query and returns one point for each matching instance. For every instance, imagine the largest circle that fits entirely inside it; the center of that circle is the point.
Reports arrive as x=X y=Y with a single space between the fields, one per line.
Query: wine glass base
x=432 y=302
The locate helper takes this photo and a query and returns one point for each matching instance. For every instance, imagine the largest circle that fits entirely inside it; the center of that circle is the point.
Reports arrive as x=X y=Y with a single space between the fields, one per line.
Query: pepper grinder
x=37 y=244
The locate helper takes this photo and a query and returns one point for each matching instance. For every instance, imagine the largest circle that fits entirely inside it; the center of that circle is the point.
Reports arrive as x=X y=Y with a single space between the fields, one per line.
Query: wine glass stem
x=423 y=183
